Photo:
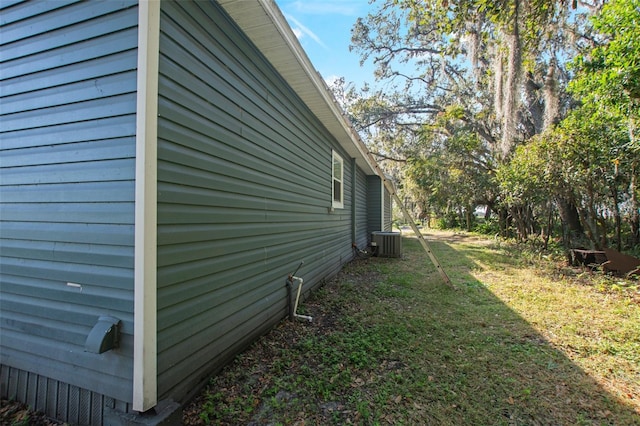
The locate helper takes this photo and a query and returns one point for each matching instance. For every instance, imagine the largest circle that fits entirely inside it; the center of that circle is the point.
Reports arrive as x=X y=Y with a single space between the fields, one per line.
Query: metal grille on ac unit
x=389 y=243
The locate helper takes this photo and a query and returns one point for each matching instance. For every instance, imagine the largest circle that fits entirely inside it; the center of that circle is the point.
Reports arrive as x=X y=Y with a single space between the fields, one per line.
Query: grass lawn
x=522 y=340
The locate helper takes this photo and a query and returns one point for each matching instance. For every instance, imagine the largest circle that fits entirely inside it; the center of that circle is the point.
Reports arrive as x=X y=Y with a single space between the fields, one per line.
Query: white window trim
x=335 y=203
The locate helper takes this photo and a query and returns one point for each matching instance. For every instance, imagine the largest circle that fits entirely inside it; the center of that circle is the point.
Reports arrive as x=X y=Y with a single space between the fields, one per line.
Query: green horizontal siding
x=244 y=194
x=374 y=204
x=67 y=160
x=388 y=212
x=362 y=210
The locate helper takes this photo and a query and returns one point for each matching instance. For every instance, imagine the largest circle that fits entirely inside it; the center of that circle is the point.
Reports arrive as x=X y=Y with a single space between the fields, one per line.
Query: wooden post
x=421 y=238
x=391 y=188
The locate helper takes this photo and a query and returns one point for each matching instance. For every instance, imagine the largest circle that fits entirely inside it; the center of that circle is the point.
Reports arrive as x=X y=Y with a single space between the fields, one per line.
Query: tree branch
x=386 y=157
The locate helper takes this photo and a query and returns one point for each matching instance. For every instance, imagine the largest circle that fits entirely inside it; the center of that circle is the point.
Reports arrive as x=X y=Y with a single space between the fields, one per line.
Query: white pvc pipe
x=295 y=307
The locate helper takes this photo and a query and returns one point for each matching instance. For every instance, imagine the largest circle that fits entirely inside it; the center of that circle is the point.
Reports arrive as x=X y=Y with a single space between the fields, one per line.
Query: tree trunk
x=570 y=221
x=551 y=98
x=633 y=185
x=549 y=226
x=616 y=216
x=498 y=90
x=514 y=69
x=502 y=221
x=487 y=213
x=635 y=206
x=534 y=105
x=589 y=216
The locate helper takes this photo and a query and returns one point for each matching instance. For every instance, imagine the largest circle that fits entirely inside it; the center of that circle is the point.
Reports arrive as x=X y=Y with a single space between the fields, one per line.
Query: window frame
x=337 y=203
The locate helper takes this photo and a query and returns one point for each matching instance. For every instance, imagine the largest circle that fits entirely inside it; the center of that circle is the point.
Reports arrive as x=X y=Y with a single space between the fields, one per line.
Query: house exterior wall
x=244 y=195
x=243 y=189
x=379 y=202
x=374 y=204
x=67 y=148
x=388 y=212
x=361 y=210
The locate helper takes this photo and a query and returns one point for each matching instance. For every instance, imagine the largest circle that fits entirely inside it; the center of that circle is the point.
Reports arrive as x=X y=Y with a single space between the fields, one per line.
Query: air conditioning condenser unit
x=389 y=244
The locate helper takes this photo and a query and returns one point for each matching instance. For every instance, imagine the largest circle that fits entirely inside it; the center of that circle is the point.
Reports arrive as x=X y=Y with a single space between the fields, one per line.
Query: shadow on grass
x=486 y=364
x=390 y=343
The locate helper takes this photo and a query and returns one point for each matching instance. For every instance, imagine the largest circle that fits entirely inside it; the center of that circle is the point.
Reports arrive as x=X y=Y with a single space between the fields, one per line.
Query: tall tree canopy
x=502 y=62
x=608 y=77
x=472 y=99
x=609 y=74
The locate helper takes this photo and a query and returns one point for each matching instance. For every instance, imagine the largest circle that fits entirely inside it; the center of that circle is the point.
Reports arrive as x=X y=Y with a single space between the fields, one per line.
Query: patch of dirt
x=262 y=354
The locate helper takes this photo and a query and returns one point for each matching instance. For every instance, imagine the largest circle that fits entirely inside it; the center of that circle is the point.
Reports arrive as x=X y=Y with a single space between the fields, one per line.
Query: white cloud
x=300 y=31
x=330 y=80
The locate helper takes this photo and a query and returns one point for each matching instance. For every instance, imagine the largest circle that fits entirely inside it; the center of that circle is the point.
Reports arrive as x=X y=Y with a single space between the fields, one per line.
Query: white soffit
x=266 y=27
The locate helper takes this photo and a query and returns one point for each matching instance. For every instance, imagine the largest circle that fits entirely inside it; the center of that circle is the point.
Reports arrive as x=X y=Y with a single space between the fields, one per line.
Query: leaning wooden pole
x=392 y=191
x=423 y=242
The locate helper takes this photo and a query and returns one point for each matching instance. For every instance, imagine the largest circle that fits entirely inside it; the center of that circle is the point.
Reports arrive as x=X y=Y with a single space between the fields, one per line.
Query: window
x=337 y=174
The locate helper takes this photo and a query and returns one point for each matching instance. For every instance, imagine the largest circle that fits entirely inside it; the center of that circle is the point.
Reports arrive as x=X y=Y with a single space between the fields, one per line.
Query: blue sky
x=323 y=27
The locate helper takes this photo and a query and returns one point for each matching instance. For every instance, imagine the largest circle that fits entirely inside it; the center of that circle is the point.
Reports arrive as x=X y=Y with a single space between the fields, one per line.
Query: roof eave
x=263 y=22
